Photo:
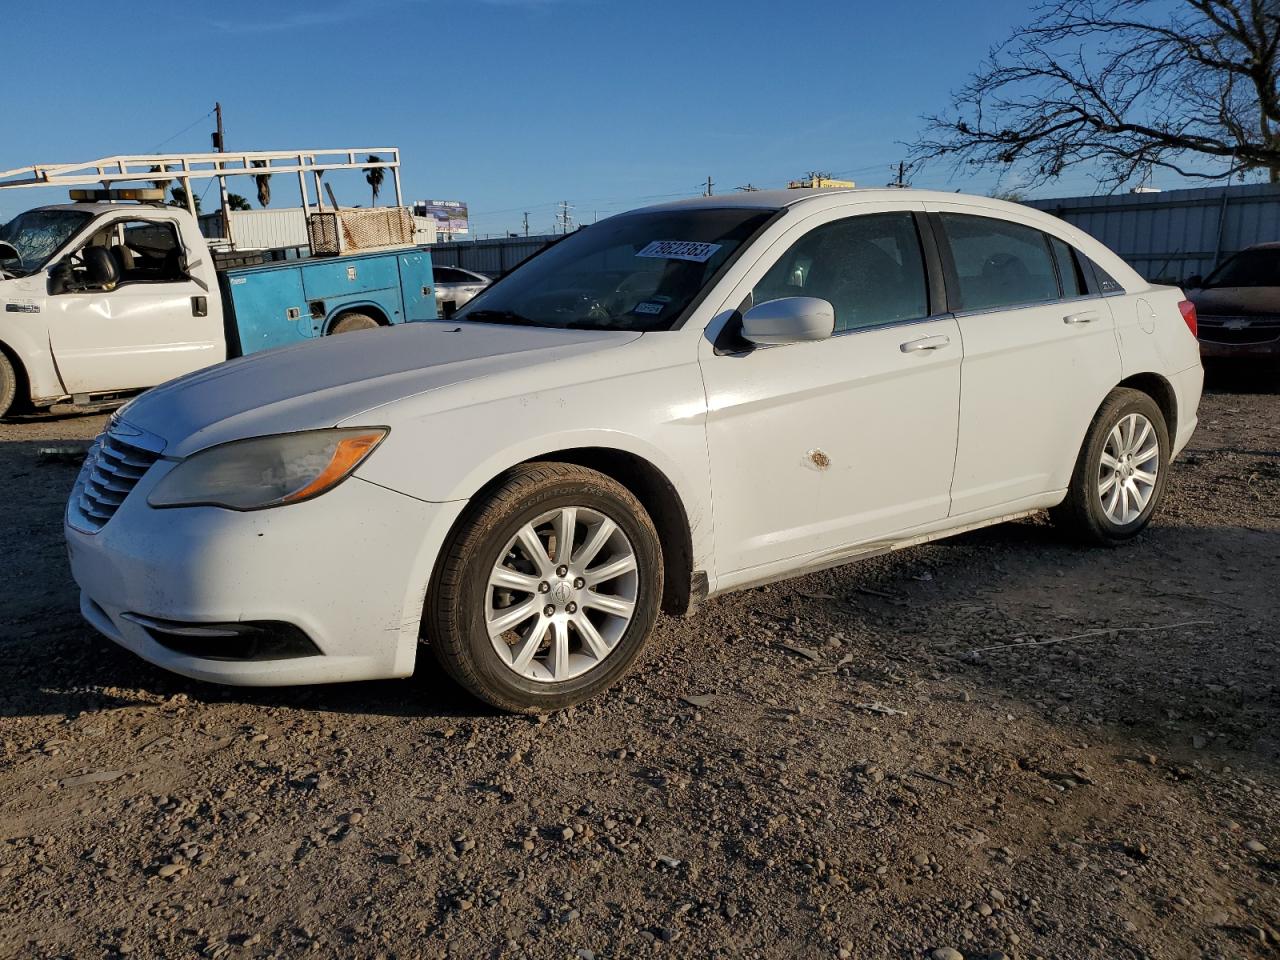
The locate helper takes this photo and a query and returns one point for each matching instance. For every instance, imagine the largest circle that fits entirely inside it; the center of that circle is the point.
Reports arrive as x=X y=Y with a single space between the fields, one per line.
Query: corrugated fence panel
x=1172 y=235
x=493 y=258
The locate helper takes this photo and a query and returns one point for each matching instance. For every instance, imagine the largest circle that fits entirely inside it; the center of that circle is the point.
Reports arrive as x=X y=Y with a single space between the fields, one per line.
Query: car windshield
x=638 y=272
x=37 y=235
x=1249 y=268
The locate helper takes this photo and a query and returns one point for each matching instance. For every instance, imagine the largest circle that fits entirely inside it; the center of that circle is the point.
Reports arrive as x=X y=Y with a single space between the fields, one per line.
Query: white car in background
x=455 y=288
x=667 y=405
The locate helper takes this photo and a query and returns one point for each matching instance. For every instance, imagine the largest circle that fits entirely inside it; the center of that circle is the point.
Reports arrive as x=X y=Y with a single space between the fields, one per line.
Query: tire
x=349 y=322
x=8 y=385
x=1104 y=505
x=527 y=667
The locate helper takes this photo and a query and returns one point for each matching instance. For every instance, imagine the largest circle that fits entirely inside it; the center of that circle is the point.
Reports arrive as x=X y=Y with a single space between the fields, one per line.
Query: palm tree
x=374 y=176
x=179 y=199
x=160 y=184
x=263 y=180
x=237 y=202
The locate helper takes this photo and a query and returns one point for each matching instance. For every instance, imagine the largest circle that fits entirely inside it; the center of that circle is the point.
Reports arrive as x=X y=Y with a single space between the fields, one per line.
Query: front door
x=816 y=447
x=145 y=329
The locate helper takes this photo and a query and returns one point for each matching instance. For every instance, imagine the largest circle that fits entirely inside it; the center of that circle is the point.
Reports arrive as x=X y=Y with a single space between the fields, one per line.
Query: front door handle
x=926 y=343
x=1087 y=317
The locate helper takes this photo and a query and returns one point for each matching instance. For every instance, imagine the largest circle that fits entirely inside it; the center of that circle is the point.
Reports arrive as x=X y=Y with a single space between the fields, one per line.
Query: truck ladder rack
x=186 y=167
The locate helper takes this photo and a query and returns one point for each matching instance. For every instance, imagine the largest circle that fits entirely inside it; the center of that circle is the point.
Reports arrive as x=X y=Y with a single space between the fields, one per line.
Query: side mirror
x=9 y=252
x=789 y=320
x=1194 y=282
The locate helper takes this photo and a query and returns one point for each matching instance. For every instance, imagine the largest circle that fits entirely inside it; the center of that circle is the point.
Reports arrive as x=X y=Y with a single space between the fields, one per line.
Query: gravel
x=820 y=768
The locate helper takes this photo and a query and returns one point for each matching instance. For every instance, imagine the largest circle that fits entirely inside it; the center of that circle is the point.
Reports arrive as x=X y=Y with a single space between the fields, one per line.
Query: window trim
x=933 y=292
x=952 y=277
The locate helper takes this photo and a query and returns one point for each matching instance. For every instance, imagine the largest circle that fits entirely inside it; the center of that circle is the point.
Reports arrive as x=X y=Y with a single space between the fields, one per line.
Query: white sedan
x=668 y=405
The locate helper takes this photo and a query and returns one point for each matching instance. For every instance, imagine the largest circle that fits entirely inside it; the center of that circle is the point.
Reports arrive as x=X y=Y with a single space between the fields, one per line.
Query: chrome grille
x=112 y=468
x=1257 y=328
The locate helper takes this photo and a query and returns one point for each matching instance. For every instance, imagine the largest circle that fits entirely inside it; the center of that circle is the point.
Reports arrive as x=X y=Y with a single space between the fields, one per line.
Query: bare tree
x=1123 y=87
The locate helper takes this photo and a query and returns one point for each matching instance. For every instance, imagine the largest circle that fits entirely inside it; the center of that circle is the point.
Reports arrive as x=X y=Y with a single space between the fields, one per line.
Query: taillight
x=1189 y=314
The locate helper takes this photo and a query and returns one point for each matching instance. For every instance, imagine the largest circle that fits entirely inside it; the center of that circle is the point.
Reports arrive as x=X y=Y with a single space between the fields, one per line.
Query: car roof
x=825 y=197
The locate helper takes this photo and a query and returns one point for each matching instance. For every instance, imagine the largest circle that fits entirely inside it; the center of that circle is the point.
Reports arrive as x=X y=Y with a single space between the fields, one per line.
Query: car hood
x=321 y=383
x=1236 y=301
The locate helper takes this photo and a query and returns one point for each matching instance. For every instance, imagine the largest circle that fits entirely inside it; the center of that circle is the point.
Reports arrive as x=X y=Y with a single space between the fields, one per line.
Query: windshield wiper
x=501 y=316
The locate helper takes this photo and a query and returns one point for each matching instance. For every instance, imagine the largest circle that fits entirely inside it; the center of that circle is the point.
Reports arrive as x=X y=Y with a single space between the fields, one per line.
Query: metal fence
x=1175 y=234
x=493 y=258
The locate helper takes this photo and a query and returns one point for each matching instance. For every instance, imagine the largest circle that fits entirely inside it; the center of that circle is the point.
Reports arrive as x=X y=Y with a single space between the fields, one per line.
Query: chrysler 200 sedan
x=668 y=405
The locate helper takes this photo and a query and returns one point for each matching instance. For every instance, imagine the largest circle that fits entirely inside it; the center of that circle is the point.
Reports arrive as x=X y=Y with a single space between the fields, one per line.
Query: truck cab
x=119 y=292
x=99 y=299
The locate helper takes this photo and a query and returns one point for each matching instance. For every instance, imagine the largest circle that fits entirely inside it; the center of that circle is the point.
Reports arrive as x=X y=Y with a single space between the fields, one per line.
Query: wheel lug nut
x=571 y=608
x=544 y=587
x=579 y=583
x=561 y=571
x=549 y=610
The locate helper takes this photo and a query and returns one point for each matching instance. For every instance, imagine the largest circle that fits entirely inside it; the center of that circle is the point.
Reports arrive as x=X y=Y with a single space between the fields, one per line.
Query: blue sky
x=510 y=105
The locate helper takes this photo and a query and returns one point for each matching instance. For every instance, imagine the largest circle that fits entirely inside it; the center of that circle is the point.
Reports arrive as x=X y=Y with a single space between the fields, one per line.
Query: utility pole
x=220 y=144
x=526 y=223
x=564 y=216
x=901 y=181
x=710 y=184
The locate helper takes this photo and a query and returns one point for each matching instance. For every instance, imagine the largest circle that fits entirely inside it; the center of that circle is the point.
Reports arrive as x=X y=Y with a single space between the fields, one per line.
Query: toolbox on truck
x=289 y=301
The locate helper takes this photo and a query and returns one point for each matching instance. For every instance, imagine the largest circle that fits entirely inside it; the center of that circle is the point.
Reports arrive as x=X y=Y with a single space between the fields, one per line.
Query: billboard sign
x=450 y=215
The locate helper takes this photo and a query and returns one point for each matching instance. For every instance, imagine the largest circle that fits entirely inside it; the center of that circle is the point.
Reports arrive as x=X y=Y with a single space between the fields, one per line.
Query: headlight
x=266 y=471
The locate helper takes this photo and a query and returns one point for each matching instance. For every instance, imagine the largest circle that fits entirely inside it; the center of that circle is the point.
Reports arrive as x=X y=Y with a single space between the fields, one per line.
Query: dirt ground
x=994 y=746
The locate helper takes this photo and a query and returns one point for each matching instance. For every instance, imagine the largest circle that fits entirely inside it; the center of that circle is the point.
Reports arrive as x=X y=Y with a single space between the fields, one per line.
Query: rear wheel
x=353 y=321
x=1120 y=474
x=547 y=593
x=8 y=385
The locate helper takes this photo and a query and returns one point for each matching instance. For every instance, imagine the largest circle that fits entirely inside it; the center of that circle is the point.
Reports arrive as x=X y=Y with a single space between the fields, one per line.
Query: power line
x=198 y=120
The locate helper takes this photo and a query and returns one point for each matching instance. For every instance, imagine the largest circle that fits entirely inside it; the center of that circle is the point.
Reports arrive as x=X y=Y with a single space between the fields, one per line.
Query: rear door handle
x=925 y=343
x=1087 y=317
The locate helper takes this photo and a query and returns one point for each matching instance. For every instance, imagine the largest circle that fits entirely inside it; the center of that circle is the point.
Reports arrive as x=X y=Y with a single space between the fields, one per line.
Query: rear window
x=998 y=263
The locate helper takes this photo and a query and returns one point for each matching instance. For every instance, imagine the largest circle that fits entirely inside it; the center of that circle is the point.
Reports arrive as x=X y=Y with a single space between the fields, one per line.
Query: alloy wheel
x=1128 y=469
x=561 y=595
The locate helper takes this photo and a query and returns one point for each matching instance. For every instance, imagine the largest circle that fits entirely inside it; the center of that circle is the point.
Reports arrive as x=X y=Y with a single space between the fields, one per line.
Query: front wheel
x=8 y=385
x=546 y=594
x=1120 y=475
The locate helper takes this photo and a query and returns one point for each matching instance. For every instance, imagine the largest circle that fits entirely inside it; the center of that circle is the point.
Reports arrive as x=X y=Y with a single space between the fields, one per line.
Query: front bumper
x=1212 y=350
x=349 y=569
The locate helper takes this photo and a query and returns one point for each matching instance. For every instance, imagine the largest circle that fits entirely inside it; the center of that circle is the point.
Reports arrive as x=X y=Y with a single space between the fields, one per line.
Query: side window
x=1068 y=269
x=998 y=263
x=449 y=275
x=147 y=251
x=869 y=267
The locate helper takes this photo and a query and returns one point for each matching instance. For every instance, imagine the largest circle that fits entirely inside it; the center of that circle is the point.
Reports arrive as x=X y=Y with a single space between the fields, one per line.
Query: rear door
x=152 y=326
x=1040 y=353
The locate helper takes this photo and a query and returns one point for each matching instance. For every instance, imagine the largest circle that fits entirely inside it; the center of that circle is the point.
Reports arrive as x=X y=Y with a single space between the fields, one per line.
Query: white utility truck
x=117 y=291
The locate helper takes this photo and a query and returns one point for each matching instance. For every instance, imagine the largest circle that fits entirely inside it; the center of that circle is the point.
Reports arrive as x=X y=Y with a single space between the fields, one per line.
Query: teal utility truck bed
x=289 y=301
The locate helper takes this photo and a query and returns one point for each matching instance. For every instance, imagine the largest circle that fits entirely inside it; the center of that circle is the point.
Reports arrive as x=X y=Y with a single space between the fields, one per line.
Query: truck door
x=416 y=285
x=151 y=325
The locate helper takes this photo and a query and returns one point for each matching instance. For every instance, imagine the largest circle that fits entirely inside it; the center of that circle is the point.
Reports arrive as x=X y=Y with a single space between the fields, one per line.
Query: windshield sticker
x=680 y=250
x=649 y=307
